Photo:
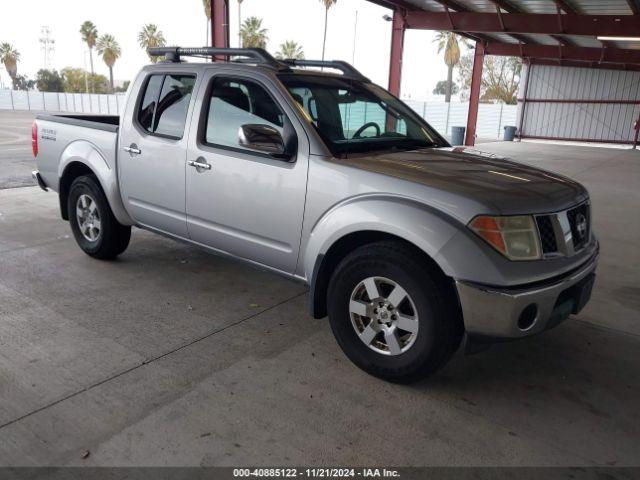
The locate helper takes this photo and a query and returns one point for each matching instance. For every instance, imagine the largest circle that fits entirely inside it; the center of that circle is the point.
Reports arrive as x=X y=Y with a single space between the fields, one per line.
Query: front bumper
x=515 y=312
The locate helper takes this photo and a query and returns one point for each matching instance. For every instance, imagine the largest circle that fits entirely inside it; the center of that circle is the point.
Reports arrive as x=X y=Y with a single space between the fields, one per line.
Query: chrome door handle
x=132 y=149
x=199 y=164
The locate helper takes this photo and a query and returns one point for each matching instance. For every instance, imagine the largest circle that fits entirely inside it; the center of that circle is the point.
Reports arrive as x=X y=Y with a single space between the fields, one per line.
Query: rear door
x=245 y=203
x=152 y=154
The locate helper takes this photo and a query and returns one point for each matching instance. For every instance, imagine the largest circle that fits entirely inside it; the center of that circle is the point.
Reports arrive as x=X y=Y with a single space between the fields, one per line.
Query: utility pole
x=48 y=45
x=355 y=35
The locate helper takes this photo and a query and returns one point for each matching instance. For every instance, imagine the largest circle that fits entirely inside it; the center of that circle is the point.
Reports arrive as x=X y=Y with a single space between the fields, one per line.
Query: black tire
x=113 y=238
x=440 y=326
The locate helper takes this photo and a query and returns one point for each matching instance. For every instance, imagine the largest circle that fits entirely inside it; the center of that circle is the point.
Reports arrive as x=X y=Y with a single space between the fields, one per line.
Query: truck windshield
x=354 y=116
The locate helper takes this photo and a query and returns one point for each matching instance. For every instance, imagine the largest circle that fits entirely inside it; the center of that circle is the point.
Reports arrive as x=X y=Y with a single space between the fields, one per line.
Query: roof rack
x=252 y=55
x=344 y=67
x=257 y=55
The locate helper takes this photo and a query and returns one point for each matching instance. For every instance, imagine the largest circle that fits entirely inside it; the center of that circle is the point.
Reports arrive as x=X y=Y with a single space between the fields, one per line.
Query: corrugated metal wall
x=586 y=111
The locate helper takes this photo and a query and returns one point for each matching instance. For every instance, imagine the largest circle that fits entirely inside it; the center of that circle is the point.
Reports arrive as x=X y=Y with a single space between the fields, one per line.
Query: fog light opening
x=528 y=317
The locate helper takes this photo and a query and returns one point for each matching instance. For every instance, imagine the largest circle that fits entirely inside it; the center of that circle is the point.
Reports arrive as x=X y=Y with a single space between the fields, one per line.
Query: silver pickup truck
x=407 y=244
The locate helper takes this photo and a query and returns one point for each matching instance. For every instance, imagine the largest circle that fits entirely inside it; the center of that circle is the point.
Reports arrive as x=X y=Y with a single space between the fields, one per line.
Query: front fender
x=425 y=227
x=86 y=153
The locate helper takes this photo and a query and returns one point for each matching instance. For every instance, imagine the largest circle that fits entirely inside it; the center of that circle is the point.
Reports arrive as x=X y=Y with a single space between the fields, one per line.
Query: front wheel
x=93 y=224
x=392 y=313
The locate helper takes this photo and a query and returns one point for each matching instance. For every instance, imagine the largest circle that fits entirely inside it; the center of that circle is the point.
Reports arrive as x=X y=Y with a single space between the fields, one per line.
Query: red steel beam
x=474 y=96
x=587 y=101
x=634 y=5
x=220 y=23
x=510 y=8
x=575 y=139
x=546 y=24
x=565 y=53
x=395 y=58
x=578 y=64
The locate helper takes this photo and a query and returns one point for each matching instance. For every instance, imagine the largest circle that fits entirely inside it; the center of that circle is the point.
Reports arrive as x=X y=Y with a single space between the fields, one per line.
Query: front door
x=152 y=156
x=244 y=202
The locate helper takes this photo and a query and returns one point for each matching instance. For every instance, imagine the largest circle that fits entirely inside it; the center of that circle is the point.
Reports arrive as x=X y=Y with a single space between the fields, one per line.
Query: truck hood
x=503 y=186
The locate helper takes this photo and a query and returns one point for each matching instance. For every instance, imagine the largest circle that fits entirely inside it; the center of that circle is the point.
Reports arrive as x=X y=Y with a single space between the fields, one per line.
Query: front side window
x=163 y=110
x=236 y=102
x=355 y=116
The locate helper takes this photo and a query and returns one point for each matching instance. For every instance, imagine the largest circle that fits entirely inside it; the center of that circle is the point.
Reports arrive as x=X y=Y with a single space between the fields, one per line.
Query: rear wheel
x=93 y=224
x=392 y=313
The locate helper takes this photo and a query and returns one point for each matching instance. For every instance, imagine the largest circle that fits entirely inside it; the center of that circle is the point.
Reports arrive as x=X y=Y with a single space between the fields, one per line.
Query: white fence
x=61 y=102
x=492 y=118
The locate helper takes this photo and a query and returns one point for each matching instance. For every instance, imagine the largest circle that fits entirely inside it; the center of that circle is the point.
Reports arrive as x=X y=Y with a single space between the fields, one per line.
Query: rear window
x=164 y=106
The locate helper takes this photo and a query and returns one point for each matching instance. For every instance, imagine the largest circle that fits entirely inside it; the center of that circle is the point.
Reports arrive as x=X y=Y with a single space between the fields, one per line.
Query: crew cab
x=408 y=245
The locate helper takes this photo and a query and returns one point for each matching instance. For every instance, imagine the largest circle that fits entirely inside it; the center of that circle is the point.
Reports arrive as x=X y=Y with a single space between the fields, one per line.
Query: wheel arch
x=327 y=262
x=84 y=158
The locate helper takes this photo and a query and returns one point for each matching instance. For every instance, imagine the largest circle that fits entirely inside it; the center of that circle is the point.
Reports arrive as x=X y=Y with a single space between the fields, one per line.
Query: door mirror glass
x=262 y=138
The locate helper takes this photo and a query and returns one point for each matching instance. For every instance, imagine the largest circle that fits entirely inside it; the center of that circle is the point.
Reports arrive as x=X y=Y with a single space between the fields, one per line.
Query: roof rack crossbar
x=344 y=67
x=259 y=55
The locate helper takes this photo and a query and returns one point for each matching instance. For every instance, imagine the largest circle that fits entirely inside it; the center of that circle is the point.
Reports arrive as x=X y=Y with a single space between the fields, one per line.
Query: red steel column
x=397 y=43
x=220 y=23
x=474 y=97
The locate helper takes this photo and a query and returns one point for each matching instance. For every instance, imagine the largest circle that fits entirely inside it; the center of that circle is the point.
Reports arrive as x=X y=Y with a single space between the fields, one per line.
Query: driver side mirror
x=262 y=138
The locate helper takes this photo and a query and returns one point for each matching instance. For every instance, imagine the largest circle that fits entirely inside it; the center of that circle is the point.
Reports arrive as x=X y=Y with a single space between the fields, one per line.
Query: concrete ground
x=16 y=158
x=170 y=356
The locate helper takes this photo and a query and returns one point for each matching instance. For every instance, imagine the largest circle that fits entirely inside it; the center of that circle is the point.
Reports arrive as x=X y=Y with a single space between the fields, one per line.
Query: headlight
x=515 y=237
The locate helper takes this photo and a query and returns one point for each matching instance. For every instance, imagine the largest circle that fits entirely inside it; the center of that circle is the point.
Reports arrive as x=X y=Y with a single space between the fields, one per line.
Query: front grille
x=547 y=234
x=579 y=222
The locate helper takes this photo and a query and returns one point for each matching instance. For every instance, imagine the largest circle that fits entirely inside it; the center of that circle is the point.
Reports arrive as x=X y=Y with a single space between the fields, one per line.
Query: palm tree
x=149 y=37
x=448 y=41
x=290 y=49
x=89 y=34
x=252 y=33
x=327 y=5
x=109 y=48
x=10 y=57
x=206 y=4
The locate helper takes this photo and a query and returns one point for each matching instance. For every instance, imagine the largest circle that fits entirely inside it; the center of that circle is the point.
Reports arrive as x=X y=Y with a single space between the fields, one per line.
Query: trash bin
x=457 y=135
x=509 y=133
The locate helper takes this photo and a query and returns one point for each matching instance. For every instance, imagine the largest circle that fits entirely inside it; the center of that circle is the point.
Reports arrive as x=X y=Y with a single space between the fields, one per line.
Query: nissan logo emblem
x=581 y=225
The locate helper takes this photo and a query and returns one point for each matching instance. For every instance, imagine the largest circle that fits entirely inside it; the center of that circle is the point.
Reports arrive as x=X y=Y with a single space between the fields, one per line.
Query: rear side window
x=163 y=110
x=148 y=105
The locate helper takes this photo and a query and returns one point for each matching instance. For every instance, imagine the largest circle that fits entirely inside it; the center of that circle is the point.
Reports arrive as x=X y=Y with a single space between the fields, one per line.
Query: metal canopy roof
x=561 y=32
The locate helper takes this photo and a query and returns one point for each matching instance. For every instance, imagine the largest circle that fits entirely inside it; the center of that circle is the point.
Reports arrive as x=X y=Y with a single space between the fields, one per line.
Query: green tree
x=327 y=5
x=73 y=81
x=89 y=34
x=150 y=36
x=109 y=48
x=449 y=42
x=252 y=33
x=441 y=88
x=124 y=87
x=10 y=57
x=500 y=78
x=21 y=82
x=290 y=49
x=49 y=81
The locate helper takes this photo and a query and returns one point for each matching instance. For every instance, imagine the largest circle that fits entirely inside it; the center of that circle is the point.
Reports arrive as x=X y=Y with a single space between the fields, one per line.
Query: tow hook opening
x=528 y=317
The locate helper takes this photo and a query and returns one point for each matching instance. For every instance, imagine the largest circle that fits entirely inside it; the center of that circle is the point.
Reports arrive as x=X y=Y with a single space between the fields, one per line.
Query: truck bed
x=63 y=139
x=109 y=123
